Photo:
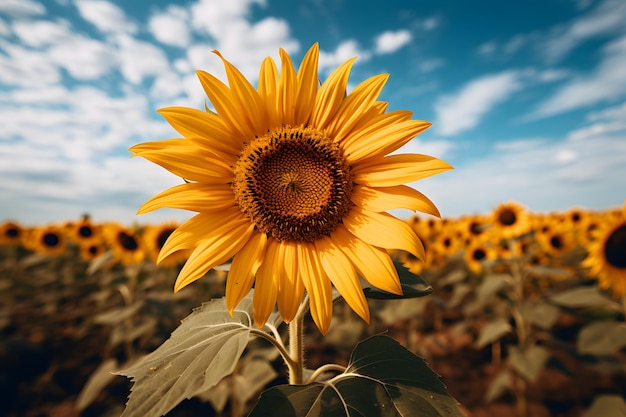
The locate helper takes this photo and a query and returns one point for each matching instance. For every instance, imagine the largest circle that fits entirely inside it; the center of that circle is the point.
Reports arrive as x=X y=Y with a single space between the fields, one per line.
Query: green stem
x=296 y=345
x=522 y=330
x=325 y=368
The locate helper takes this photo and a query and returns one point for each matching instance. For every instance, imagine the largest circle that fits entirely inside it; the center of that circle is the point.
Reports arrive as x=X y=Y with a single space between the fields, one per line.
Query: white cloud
x=22 y=8
x=171 y=27
x=139 y=59
x=487 y=48
x=463 y=110
x=95 y=59
x=608 y=121
x=545 y=176
x=608 y=17
x=390 y=41
x=106 y=16
x=344 y=51
x=432 y=64
x=25 y=67
x=41 y=32
x=606 y=82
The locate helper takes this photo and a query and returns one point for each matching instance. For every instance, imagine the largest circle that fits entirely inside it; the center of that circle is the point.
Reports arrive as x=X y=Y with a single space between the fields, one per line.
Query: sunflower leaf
x=200 y=352
x=383 y=378
x=413 y=286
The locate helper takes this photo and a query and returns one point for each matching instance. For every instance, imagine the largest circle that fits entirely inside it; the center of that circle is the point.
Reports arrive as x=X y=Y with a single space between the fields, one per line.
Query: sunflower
x=509 y=220
x=606 y=257
x=476 y=253
x=49 y=240
x=125 y=243
x=294 y=180
x=84 y=231
x=11 y=233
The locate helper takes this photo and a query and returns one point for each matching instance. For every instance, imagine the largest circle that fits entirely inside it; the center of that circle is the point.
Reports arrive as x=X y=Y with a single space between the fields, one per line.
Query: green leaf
x=602 y=338
x=503 y=382
x=540 y=313
x=200 y=352
x=382 y=379
x=583 y=297
x=493 y=331
x=607 y=406
x=528 y=362
x=413 y=286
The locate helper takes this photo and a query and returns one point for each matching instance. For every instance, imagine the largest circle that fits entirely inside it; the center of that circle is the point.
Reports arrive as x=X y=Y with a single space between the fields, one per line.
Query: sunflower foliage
x=204 y=354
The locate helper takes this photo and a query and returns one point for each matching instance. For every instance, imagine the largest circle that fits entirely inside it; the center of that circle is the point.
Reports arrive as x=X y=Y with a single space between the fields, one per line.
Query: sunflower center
x=507 y=217
x=293 y=183
x=615 y=247
x=556 y=242
x=85 y=231
x=50 y=240
x=12 y=232
x=127 y=241
x=479 y=254
x=162 y=237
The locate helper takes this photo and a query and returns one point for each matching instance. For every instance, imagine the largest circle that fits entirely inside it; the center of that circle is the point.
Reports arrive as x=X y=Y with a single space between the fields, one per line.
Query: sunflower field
x=526 y=315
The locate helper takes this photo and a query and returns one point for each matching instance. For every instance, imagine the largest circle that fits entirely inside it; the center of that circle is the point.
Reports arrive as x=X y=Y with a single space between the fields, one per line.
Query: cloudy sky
x=527 y=99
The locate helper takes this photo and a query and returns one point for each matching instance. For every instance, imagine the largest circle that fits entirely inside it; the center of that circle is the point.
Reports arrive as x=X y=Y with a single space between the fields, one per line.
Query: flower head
x=293 y=180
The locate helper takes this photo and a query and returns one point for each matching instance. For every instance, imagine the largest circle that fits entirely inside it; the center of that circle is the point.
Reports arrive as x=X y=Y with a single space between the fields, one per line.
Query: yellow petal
x=389 y=198
x=268 y=90
x=341 y=273
x=307 y=85
x=317 y=285
x=226 y=106
x=384 y=140
x=184 y=158
x=373 y=121
x=207 y=127
x=266 y=284
x=222 y=244
x=373 y=264
x=397 y=169
x=287 y=90
x=195 y=230
x=330 y=95
x=243 y=269
x=355 y=106
x=384 y=231
x=246 y=97
x=290 y=287
x=192 y=196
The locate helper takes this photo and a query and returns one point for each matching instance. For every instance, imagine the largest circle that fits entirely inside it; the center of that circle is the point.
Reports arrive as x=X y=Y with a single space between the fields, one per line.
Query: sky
x=527 y=99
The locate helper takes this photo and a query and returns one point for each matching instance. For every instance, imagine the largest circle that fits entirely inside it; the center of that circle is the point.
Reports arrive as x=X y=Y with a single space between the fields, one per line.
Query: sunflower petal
x=388 y=198
x=343 y=276
x=207 y=127
x=384 y=231
x=192 y=232
x=307 y=85
x=221 y=245
x=266 y=285
x=384 y=140
x=287 y=90
x=356 y=105
x=243 y=269
x=246 y=97
x=373 y=264
x=397 y=169
x=191 y=196
x=317 y=285
x=226 y=106
x=373 y=121
x=330 y=95
x=290 y=286
x=268 y=90
x=185 y=159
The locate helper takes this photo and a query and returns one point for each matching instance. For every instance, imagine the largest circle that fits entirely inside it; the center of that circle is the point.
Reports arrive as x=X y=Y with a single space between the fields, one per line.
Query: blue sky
x=527 y=99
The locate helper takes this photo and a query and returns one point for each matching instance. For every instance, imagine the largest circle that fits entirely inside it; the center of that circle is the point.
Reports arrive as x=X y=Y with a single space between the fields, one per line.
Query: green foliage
x=413 y=286
x=382 y=379
x=200 y=352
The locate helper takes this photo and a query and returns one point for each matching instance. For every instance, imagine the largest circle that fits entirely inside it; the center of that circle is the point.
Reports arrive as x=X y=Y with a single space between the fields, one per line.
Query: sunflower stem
x=296 y=344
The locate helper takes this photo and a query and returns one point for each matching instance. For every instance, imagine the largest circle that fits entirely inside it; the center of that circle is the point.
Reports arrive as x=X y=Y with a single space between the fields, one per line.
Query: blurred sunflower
x=509 y=220
x=606 y=257
x=84 y=231
x=11 y=233
x=48 y=240
x=125 y=244
x=294 y=180
x=476 y=253
x=155 y=236
x=89 y=251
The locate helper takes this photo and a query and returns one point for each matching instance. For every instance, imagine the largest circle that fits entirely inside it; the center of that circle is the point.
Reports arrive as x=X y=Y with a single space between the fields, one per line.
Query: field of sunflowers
x=526 y=316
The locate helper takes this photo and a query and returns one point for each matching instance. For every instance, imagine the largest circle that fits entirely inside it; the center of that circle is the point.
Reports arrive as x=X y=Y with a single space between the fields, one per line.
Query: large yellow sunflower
x=293 y=180
x=607 y=254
